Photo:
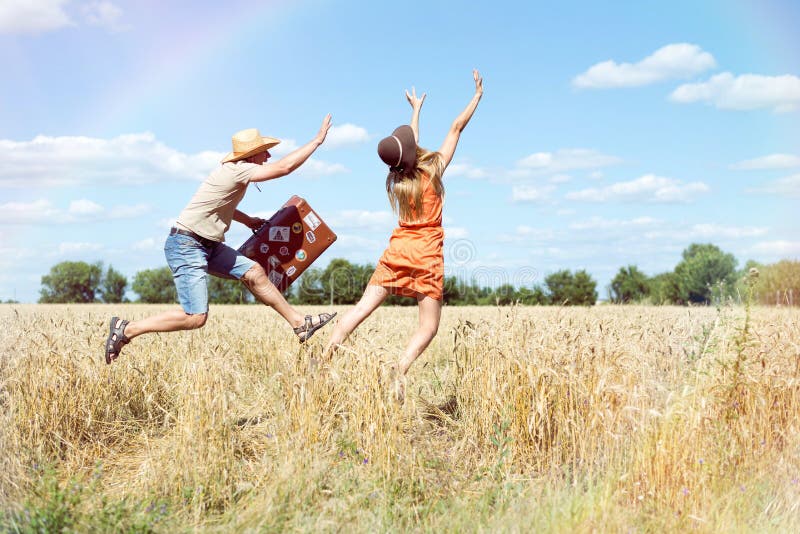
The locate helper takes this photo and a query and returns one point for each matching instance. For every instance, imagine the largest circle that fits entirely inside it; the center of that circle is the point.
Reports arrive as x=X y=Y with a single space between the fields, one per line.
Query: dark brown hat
x=399 y=150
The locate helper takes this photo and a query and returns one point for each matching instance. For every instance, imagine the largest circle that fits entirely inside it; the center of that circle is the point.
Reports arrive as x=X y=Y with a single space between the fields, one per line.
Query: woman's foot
x=397 y=386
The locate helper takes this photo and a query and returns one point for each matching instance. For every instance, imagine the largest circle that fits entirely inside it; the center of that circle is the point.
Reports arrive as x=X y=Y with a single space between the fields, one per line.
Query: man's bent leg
x=168 y=321
x=265 y=291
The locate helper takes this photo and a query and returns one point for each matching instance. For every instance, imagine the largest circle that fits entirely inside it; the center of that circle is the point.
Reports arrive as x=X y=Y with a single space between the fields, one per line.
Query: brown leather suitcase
x=291 y=240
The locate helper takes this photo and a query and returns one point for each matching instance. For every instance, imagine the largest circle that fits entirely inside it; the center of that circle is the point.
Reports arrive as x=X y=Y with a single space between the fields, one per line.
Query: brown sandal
x=305 y=331
x=116 y=339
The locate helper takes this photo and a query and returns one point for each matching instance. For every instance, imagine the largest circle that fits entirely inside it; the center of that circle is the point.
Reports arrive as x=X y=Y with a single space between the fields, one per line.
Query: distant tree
x=503 y=295
x=112 y=287
x=155 y=286
x=664 y=289
x=345 y=281
x=534 y=296
x=585 y=289
x=71 y=281
x=309 y=288
x=226 y=291
x=399 y=300
x=452 y=292
x=460 y=292
x=629 y=285
x=571 y=289
x=705 y=269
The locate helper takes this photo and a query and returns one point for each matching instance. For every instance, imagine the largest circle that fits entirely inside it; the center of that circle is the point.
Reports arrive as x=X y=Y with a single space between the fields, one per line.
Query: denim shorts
x=191 y=262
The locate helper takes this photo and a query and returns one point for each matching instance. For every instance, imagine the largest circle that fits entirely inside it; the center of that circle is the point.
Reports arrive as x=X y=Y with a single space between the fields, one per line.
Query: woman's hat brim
x=399 y=150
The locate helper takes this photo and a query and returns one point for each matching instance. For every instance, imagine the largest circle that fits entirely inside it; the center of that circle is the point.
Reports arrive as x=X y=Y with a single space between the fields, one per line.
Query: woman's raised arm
x=451 y=140
x=416 y=106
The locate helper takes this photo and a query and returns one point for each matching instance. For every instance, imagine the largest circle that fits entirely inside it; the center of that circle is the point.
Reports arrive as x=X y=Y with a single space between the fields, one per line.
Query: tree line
x=708 y=275
x=704 y=275
x=81 y=282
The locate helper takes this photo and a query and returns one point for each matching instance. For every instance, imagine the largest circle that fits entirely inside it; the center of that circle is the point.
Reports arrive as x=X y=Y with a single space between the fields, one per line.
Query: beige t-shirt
x=210 y=211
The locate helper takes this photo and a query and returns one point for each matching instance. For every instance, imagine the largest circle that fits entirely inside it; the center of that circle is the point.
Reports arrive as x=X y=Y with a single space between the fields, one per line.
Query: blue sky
x=609 y=133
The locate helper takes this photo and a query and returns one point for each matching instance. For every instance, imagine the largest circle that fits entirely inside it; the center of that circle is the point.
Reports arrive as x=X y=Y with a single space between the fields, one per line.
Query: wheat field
x=516 y=419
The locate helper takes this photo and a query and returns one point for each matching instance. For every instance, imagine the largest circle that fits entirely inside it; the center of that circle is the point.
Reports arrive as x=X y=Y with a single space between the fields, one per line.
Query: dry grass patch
x=555 y=418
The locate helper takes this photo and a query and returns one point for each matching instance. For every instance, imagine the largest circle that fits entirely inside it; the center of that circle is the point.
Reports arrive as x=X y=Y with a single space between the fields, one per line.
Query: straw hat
x=399 y=150
x=247 y=143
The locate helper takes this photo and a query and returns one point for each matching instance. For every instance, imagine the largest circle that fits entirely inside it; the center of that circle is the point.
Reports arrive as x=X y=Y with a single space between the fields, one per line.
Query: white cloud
x=743 y=92
x=537 y=233
x=456 y=232
x=466 y=170
x=316 y=168
x=71 y=248
x=127 y=212
x=344 y=135
x=566 y=159
x=711 y=230
x=560 y=179
x=363 y=220
x=787 y=186
x=148 y=245
x=647 y=188
x=85 y=207
x=130 y=158
x=527 y=234
x=673 y=61
x=127 y=159
x=529 y=193
x=33 y=16
x=311 y=168
x=599 y=223
x=779 y=248
x=707 y=231
x=104 y=14
x=285 y=146
x=43 y=212
x=13 y=257
x=39 y=211
x=772 y=161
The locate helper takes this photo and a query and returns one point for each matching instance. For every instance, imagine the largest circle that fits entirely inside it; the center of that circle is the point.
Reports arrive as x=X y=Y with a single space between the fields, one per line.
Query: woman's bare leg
x=372 y=298
x=430 y=312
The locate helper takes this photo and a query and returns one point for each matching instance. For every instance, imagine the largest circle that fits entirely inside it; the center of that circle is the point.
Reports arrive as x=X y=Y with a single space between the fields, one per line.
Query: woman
x=413 y=265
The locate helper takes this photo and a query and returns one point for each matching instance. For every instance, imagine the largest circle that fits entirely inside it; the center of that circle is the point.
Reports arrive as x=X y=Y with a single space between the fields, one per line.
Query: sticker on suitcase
x=312 y=220
x=279 y=233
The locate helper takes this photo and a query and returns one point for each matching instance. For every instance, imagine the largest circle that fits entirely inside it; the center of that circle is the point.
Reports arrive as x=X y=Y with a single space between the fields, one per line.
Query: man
x=195 y=245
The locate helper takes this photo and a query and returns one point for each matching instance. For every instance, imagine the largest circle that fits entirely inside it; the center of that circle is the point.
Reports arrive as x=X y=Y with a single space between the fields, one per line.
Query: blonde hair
x=404 y=188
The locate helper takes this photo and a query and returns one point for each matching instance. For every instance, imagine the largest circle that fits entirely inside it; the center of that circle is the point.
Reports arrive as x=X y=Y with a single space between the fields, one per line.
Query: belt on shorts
x=202 y=240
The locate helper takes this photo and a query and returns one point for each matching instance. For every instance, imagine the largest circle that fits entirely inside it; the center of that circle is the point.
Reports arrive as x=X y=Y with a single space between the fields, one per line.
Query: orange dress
x=414 y=263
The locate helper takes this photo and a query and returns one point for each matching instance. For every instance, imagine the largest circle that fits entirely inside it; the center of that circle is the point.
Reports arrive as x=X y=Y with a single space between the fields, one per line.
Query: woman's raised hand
x=478 y=82
x=416 y=103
